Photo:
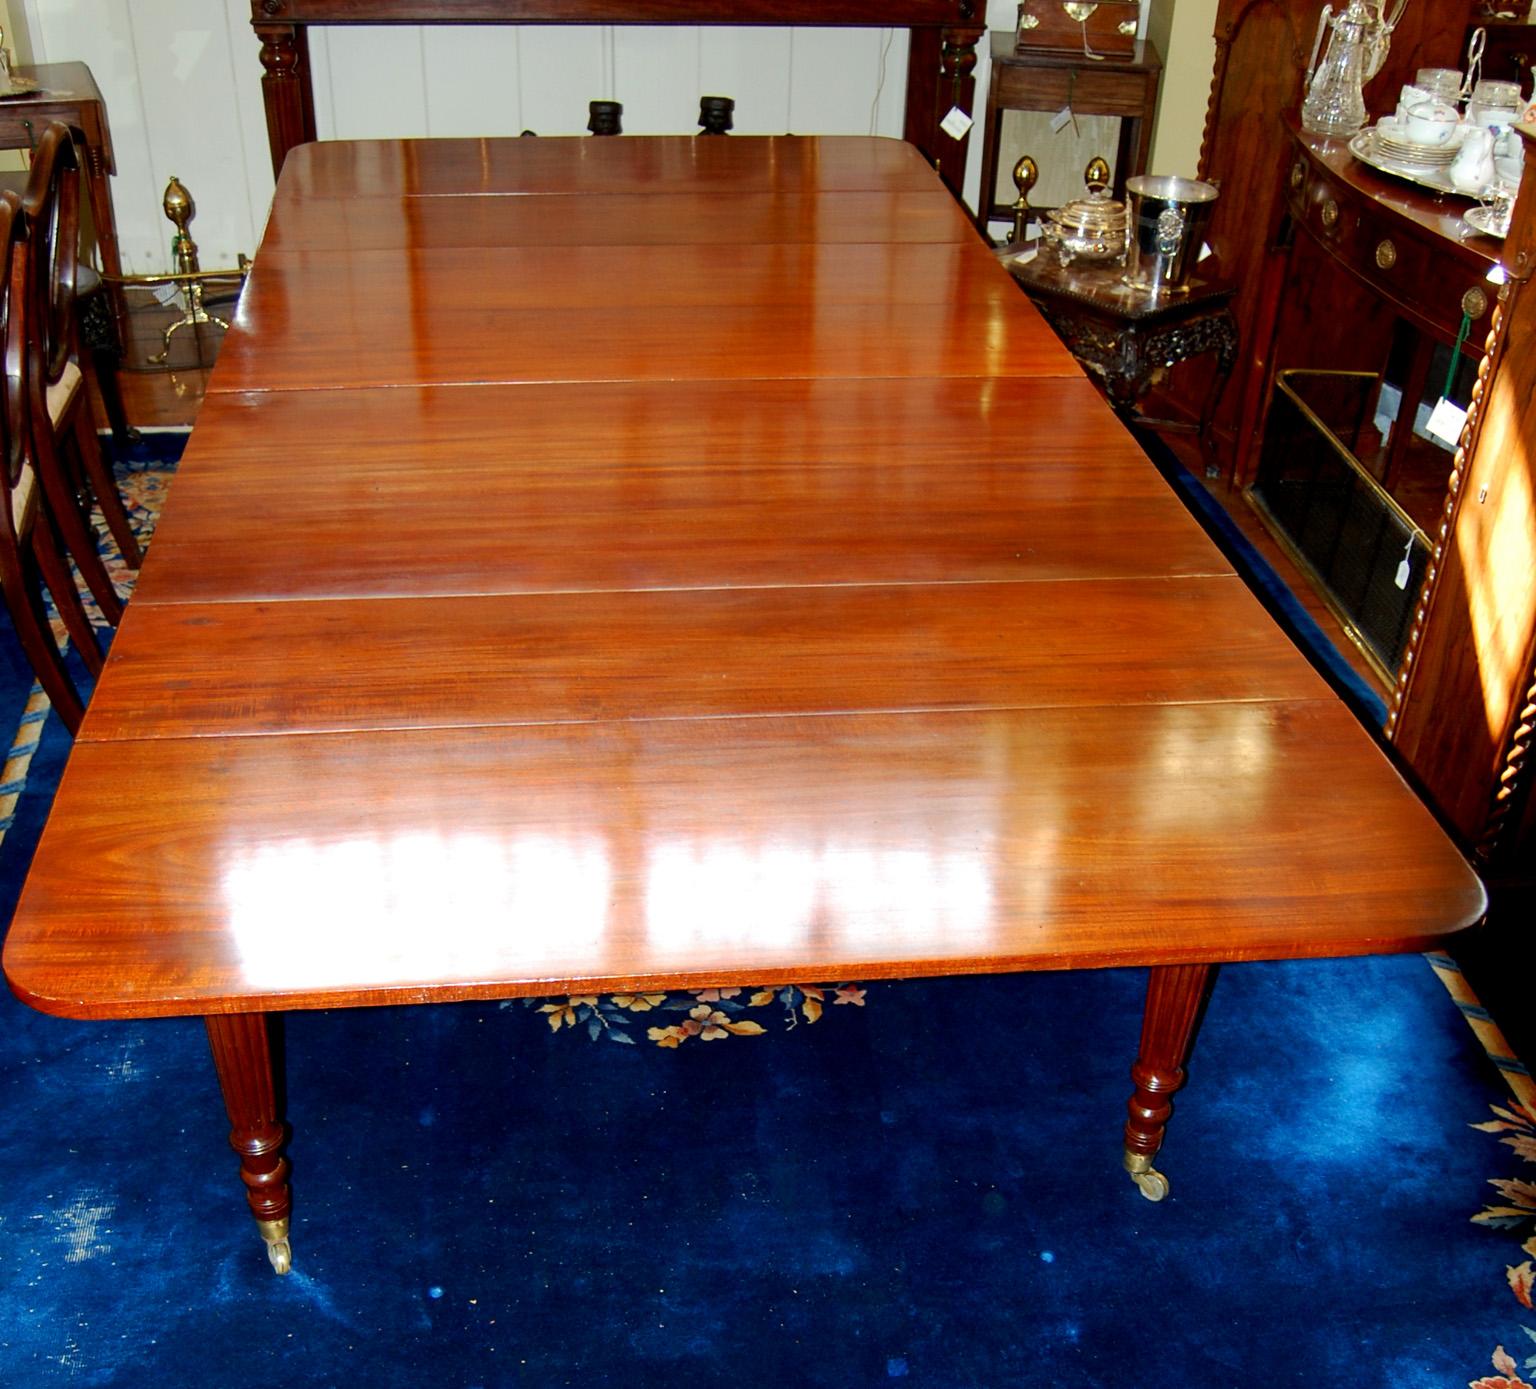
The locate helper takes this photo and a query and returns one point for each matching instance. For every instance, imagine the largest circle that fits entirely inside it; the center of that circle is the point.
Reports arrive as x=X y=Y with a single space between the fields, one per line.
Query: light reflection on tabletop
x=952 y=859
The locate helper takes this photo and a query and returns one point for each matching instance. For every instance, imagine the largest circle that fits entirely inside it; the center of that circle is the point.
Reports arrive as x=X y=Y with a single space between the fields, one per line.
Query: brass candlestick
x=180 y=209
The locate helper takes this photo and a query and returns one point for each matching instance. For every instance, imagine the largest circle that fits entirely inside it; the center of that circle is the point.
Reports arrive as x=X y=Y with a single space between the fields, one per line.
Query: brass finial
x=178 y=204
x=1026 y=173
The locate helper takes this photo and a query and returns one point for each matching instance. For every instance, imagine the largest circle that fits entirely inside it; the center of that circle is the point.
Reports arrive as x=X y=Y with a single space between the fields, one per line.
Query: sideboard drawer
x=1396 y=259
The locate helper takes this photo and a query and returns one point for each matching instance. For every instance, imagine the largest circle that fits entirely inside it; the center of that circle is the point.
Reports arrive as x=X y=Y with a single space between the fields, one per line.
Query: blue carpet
x=925 y=1189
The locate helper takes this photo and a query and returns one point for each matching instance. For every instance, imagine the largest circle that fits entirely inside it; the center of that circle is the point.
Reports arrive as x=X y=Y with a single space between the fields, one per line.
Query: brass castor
x=279 y=1251
x=1149 y=1181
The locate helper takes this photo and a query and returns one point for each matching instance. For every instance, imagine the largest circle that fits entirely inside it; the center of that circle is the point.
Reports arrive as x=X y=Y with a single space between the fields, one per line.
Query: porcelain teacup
x=1430 y=123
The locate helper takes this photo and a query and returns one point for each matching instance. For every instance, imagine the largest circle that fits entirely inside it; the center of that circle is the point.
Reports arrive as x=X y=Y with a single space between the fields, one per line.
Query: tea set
x=1429 y=139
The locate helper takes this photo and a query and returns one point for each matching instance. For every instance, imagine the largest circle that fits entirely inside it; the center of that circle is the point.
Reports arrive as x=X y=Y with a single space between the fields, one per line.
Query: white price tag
x=1404 y=567
x=1060 y=120
x=956 y=124
x=1446 y=421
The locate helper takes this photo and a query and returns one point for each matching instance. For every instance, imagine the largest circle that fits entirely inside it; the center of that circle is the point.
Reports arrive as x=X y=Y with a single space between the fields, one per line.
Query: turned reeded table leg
x=1175 y=994
x=242 y=1054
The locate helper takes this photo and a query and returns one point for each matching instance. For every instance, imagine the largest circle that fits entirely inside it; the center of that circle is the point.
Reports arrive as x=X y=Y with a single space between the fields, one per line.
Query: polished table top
x=617 y=562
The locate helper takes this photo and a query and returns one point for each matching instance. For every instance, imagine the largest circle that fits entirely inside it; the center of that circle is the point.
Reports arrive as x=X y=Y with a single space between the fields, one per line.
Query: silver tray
x=1363 y=147
x=1481 y=219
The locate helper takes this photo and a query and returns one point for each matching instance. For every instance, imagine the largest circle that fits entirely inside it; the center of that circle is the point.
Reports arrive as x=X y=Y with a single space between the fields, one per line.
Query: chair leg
x=79 y=537
x=36 y=636
x=105 y=364
x=105 y=487
x=66 y=597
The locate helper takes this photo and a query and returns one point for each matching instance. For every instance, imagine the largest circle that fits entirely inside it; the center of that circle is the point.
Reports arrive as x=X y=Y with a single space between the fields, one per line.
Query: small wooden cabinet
x=1050 y=81
x=69 y=94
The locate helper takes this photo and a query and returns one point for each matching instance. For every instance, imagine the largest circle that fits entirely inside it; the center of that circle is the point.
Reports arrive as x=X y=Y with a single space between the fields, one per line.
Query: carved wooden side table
x=1123 y=87
x=1128 y=338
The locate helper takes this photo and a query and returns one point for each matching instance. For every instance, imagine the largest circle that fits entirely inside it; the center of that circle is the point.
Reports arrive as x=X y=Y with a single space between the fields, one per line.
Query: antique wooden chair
x=30 y=555
x=69 y=458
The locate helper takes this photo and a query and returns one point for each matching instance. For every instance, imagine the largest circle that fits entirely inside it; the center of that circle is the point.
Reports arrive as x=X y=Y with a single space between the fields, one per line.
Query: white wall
x=182 y=83
x=1188 y=64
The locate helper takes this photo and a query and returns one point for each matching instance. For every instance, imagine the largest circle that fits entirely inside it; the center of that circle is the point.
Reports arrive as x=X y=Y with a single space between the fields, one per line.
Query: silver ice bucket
x=1167 y=228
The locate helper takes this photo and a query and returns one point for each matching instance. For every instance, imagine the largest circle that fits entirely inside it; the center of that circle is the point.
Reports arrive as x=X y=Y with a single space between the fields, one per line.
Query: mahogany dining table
x=620 y=564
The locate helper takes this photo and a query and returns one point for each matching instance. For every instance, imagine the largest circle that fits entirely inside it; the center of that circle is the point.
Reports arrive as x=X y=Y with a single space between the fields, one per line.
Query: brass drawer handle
x=1330 y=214
x=1298 y=175
x=1474 y=303
x=1386 y=255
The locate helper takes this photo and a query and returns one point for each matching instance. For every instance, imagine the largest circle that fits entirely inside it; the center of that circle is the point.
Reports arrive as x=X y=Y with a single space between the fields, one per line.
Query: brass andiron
x=1026 y=173
x=180 y=208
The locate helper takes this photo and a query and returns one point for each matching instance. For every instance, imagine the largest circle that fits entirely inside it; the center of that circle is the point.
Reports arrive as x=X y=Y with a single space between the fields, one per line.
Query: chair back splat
x=73 y=469
x=30 y=556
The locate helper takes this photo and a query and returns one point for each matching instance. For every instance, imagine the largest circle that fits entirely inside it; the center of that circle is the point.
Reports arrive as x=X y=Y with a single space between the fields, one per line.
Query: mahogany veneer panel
x=685 y=484
x=583 y=313
x=447 y=864
x=619 y=222
x=424 y=291
x=574 y=164
x=191 y=670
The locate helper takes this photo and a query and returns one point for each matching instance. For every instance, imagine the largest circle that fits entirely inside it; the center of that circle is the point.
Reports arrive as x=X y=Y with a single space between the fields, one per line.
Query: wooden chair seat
x=23 y=497
x=61 y=393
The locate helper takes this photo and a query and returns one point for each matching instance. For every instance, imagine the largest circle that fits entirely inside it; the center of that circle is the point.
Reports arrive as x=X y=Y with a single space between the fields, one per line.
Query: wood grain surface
x=340 y=170
x=655 y=313
x=379 y=346
x=617 y=221
x=195 y=669
x=675 y=485
x=445 y=864
x=700 y=610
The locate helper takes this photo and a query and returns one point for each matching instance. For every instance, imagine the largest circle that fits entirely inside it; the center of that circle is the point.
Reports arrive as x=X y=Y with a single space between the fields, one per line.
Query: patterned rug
x=922 y=1187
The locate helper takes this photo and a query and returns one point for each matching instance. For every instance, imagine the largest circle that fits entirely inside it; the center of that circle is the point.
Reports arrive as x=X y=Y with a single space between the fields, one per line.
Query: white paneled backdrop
x=182 y=83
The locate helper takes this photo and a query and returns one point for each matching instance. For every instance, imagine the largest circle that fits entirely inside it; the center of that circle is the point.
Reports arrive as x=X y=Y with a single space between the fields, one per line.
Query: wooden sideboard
x=1465 y=703
x=1365 y=255
x=1403 y=253
x=941 y=59
x=1262 y=47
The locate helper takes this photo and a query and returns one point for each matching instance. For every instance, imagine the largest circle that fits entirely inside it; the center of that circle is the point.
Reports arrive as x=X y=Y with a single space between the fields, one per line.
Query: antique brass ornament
x=188 y=276
x=1026 y=173
x=180 y=208
x=1474 y=303
x=1386 y=254
x=1082 y=13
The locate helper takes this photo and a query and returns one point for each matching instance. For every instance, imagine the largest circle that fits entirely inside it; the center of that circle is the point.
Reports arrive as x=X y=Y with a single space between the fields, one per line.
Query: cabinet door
x=1460 y=721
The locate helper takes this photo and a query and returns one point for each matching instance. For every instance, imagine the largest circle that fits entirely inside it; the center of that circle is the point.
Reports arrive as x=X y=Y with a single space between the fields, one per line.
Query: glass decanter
x=1335 y=103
